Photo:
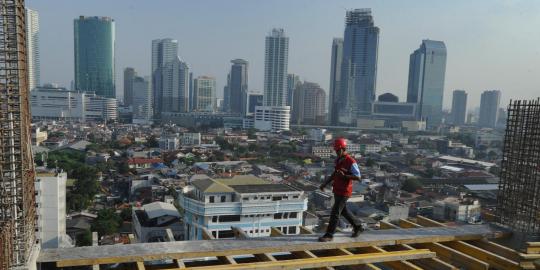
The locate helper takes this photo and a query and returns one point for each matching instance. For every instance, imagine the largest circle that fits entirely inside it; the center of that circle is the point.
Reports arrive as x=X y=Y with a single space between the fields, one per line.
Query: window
x=295 y=197
x=256 y=230
x=278 y=215
x=211 y=198
x=285 y=215
x=223 y=198
x=226 y=234
x=293 y=215
x=292 y=229
x=276 y=198
x=214 y=219
x=245 y=199
x=229 y=218
x=214 y=234
x=255 y=198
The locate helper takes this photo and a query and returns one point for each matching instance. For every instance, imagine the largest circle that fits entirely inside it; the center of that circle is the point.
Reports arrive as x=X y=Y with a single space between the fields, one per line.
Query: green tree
x=84 y=239
x=125 y=214
x=411 y=185
x=152 y=142
x=107 y=222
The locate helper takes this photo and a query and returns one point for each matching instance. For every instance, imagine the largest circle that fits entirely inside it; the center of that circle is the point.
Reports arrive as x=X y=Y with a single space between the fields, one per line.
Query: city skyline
x=310 y=53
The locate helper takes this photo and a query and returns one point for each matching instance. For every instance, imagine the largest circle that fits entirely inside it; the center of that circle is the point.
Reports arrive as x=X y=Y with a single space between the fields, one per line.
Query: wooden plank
x=434 y=263
x=533 y=248
x=170 y=237
x=329 y=261
x=447 y=254
x=222 y=259
x=454 y=257
x=203 y=248
x=263 y=257
x=139 y=264
x=494 y=260
x=398 y=264
x=497 y=249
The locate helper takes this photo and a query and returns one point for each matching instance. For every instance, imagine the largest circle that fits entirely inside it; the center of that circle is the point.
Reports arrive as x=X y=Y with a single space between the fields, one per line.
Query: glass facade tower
x=94 y=55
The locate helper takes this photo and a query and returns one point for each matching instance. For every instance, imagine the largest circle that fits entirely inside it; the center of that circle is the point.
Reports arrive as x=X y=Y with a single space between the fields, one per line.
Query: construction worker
x=346 y=171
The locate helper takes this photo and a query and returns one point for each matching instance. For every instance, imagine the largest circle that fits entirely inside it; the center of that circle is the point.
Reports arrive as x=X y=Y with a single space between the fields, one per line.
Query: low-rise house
x=151 y=221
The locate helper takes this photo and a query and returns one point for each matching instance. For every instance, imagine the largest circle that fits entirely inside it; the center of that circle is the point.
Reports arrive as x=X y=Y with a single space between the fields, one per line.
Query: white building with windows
x=51 y=208
x=272 y=118
x=52 y=102
x=32 y=48
x=247 y=202
x=190 y=138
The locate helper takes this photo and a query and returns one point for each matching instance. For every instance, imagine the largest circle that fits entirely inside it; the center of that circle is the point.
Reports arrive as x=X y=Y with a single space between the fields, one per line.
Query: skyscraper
x=94 y=55
x=309 y=104
x=32 y=48
x=335 y=80
x=163 y=51
x=459 y=107
x=427 y=66
x=204 y=89
x=275 y=68
x=358 y=66
x=175 y=86
x=237 y=87
x=129 y=75
x=142 y=100
x=292 y=82
x=489 y=108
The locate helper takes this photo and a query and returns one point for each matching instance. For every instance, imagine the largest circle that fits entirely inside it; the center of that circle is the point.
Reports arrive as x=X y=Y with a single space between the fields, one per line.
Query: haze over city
x=490 y=44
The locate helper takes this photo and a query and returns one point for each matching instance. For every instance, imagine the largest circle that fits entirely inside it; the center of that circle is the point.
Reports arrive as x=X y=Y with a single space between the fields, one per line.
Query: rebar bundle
x=17 y=198
x=518 y=201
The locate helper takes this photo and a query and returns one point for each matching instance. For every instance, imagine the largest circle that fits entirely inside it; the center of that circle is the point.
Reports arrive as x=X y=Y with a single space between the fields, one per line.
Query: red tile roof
x=144 y=160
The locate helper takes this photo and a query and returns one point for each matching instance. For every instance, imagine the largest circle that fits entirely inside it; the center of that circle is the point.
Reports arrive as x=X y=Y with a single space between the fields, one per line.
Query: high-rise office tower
x=275 y=68
x=94 y=55
x=254 y=100
x=191 y=95
x=142 y=100
x=129 y=75
x=309 y=104
x=292 y=82
x=163 y=51
x=204 y=89
x=32 y=48
x=489 y=108
x=427 y=66
x=237 y=87
x=335 y=80
x=459 y=107
x=175 y=86
x=358 y=66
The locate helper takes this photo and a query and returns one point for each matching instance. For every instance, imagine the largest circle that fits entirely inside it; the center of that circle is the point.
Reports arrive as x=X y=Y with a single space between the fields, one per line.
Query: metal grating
x=16 y=162
x=518 y=202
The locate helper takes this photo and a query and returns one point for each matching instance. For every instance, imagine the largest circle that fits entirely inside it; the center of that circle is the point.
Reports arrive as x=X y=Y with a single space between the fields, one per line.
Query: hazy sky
x=491 y=44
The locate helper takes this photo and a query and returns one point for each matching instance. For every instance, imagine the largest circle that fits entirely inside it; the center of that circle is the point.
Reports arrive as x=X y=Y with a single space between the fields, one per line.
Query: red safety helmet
x=340 y=143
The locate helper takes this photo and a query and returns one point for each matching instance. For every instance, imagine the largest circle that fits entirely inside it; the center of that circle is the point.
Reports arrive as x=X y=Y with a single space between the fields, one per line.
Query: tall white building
x=175 y=86
x=204 y=92
x=163 y=51
x=51 y=206
x=32 y=48
x=142 y=100
x=51 y=102
x=275 y=68
x=272 y=118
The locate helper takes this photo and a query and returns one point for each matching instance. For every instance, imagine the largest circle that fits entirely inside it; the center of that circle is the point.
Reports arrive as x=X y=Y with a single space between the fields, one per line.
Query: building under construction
x=17 y=209
x=519 y=189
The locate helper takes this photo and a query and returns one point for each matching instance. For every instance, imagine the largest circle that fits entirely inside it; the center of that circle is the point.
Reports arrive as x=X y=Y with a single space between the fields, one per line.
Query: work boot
x=326 y=238
x=357 y=230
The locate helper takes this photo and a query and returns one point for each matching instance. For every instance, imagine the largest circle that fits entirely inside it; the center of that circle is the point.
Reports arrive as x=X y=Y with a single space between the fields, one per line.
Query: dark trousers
x=340 y=208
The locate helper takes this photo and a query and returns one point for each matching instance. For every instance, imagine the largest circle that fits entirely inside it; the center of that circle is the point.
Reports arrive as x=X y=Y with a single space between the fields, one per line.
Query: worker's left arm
x=354 y=173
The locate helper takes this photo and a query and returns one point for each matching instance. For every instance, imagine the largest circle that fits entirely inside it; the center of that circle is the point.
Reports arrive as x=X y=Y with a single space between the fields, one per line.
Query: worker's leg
x=339 y=204
x=348 y=216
